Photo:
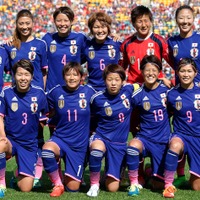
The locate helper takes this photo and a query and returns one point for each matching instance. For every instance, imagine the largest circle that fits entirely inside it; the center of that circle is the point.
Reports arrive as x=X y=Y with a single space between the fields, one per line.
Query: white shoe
x=93 y=191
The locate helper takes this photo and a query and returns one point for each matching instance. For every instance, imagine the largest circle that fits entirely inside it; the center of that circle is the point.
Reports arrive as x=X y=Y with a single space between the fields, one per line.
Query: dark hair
x=25 y=64
x=140 y=11
x=72 y=65
x=181 y=8
x=16 y=35
x=114 y=68
x=64 y=10
x=154 y=60
x=187 y=61
x=103 y=19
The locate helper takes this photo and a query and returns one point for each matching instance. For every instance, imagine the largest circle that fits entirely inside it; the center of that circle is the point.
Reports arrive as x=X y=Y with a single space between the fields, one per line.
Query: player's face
x=23 y=79
x=150 y=75
x=185 y=21
x=143 y=26
x=100 y=31
x=63 y=24
x=72 y=79
x=25 y=26
x=113 y=83
x=186 y=76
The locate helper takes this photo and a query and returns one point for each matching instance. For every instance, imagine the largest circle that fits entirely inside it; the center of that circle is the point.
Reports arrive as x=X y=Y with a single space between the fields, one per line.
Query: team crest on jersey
x=32 y=54
x=73 y=48
x=0 y=60
x=194 y=52
x=146 y=105
x=53 y=48
x=126 y=103
x=13 y=53
x=163 y=99
x=132 y=60
x=14 y=106
x=61 y=102
x=150 y=50
x=175 y=50
x=178 y=105
x=91 y=54
x=197 y=104
x=34 y=107
x=82 y=103
x=108 y=111
x=111 y=51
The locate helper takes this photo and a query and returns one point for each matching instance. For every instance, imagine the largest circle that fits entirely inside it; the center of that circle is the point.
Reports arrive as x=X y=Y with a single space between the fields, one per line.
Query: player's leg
x=134 y=150
x=97 y=150
x=5 y=148
x=112 y=184
x=176 y=148
x=50 y=155
x=195 y=182
x=25 y=183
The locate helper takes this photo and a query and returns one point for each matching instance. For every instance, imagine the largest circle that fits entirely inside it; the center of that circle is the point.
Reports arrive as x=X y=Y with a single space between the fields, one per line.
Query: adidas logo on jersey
x=106 y=104
x=61 y=96
x=145 y=98
x=14 y=99
x=91 y=48
x=178 y=98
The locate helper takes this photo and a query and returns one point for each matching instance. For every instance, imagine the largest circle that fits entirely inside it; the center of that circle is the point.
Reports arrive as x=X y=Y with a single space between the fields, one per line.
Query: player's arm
x=44 y=74
x=2 y=130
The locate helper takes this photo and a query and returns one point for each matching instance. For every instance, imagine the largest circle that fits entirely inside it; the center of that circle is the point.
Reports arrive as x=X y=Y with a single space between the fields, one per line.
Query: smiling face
x=63 y=24
x=113 y=83
x=143 y=26
x=24 y=26
x=150 y=74
x=23 y=79
x=185 y=22
x=72 y=79
x=100 y=31
x=186 y=76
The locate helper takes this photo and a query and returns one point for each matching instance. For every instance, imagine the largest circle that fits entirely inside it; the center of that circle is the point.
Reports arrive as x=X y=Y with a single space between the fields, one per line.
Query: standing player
x=71 y=105
x=20 y=109
x=101 y=50
x=3 y=65
x=112 y=108
x=153 y=137
x=184 y=45
x=183 y=102
x=134 y=48
x=25 y=46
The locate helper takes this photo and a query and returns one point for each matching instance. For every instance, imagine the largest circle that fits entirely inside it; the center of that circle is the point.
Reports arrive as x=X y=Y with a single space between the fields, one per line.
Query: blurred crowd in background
x=120 y=10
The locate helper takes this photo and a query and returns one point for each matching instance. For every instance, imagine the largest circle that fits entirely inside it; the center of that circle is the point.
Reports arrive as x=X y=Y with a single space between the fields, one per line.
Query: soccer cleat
x=93 y=191
x=57 y=191
x=169 y=192
x=134 y=190
x=37 y=183
x=180 y=181
x=2 y=191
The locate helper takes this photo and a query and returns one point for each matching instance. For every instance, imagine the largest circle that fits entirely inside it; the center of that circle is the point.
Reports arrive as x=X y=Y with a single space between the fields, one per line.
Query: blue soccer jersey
x=185 y=48
x=3 y=65
x=154 y=119
x=185 y=105
x=113 y=113
x=98 y=56
x=35 y=51
x=72 y=108
x=22 y=112
x=60 y=51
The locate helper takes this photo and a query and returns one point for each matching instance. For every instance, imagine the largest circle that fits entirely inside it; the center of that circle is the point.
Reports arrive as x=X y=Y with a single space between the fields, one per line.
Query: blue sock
x=2 y=160
x=171 y=161
x=95 y=160
x=49 y=161
x=132 y=158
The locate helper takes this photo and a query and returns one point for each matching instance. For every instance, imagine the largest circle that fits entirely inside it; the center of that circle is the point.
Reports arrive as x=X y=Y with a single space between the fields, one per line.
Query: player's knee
x=195 y=182
x=71 y=185
x=176 y=145
x=136 y=144
x=112 y=185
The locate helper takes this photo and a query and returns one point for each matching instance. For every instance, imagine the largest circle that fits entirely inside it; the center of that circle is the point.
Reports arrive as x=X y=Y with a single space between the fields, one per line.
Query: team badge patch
x=82 y=103
x=0 y=60
x=150 y=50
x=197 y=104
x=14 y=106
x=194 y=52
x=61 y=102
x=108 y=111
x=34 y=107
x=73 y=48
x=178 y=105
x=126 y=103
x=91 y=54
x=146 y=105
x=32 y=55
x=175 y=50
x=132 y=60
x=13 y=53
x=111 y=51
x=52 y=48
